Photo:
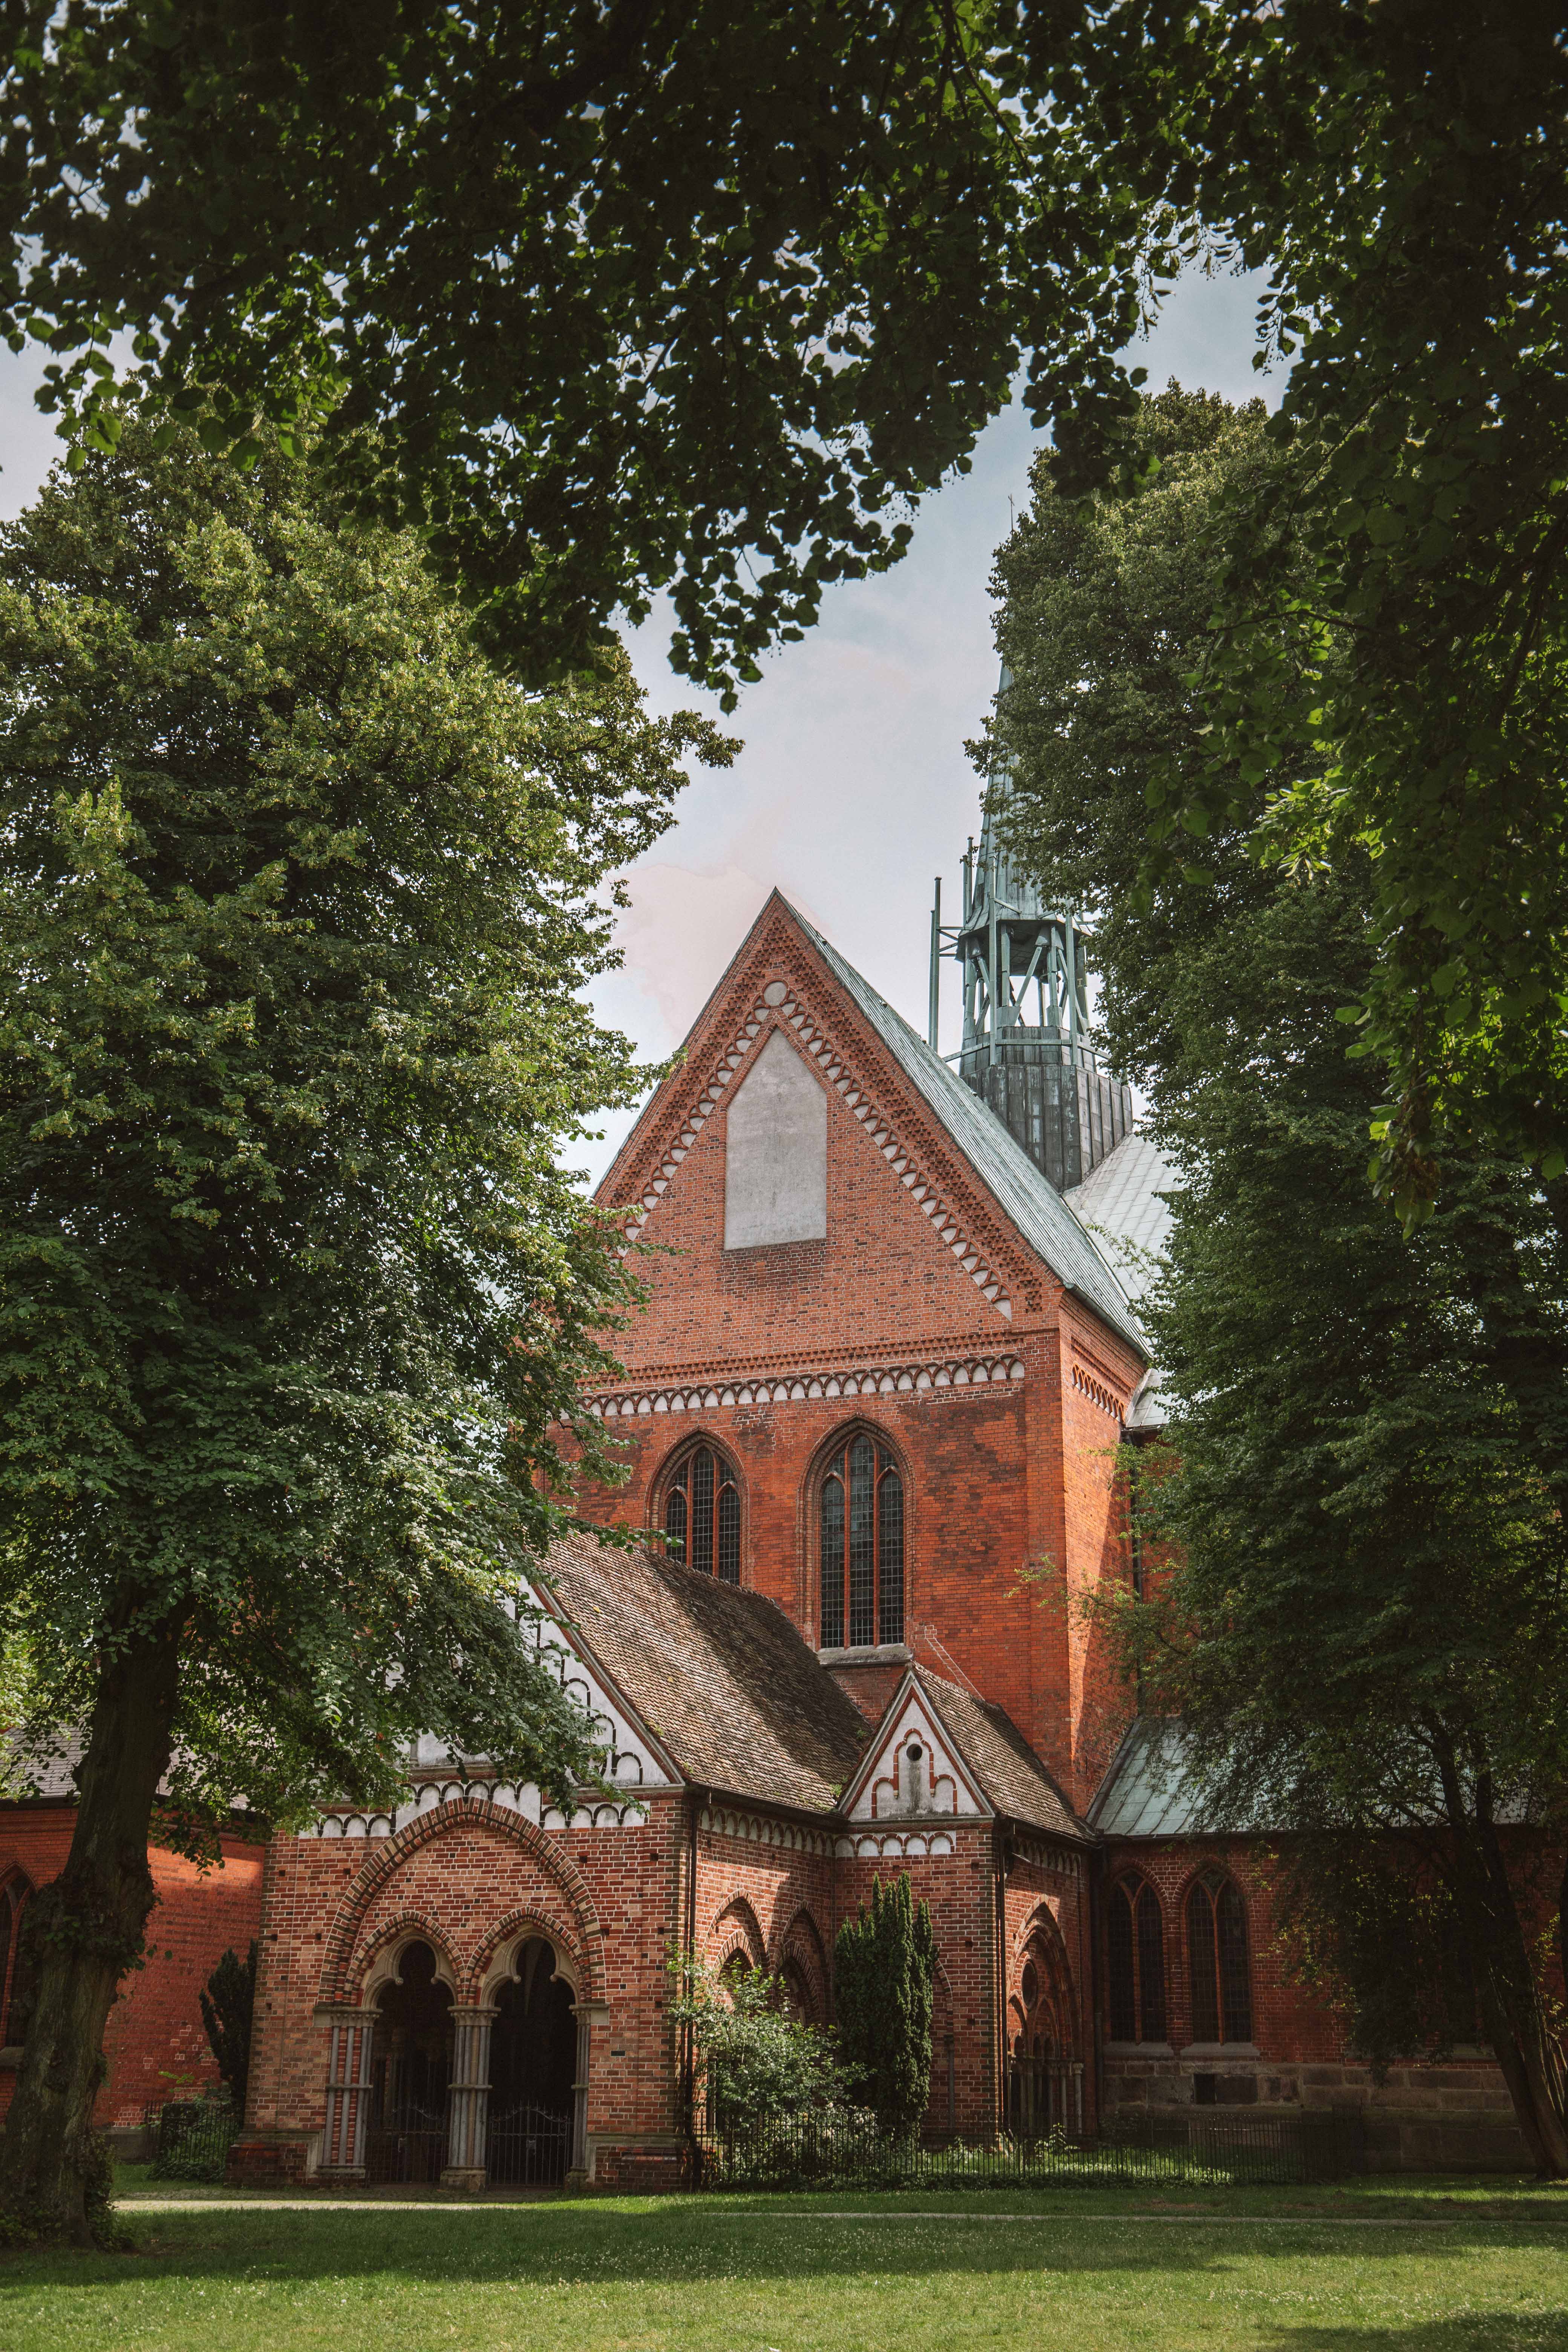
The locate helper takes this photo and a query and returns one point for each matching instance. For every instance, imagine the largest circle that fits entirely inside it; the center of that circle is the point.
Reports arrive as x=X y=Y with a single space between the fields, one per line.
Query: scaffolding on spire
x=1027 y=1051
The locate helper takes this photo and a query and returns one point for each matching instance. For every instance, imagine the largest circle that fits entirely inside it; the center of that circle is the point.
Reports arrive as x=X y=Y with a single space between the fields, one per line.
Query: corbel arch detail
x=490 y=1967
x=378 y=1965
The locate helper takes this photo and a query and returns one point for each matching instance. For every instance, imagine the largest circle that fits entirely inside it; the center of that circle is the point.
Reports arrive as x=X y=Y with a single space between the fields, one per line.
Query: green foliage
x=297 y=897
x=228 y=2001
x=1362 y=1618
x=754 y=2061
x=103 y=2227
x=654 y=296
x=1393 y=692
x=1380 y=1938
x=884 y=1980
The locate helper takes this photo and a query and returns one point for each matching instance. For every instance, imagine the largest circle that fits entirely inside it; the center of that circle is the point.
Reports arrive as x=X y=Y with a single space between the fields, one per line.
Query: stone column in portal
x=348 y=2090
x=587 y=2014
x=468 y=2099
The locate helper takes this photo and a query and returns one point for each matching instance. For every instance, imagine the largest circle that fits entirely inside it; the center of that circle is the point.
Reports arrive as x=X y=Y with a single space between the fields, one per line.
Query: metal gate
x=409 y=2143
x=528 y=2148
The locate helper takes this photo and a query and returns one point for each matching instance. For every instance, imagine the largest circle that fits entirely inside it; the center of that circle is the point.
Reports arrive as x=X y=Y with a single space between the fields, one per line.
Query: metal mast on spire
x=1026 y=1049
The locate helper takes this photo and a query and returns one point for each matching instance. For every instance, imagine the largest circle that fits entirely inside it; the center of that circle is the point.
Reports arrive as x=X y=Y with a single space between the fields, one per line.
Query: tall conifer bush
x=884 y=1983
x=229 y=2004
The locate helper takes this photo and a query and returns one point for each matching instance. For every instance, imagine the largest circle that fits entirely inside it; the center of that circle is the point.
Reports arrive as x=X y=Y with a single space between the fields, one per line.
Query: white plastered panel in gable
x=917 y=1775
x=633 y=1763
x=775 y=1152
x=777 y=1004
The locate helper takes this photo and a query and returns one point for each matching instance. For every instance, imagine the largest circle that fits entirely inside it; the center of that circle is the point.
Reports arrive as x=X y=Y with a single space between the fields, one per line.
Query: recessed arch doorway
x=533 y=2068
x=411 y=2070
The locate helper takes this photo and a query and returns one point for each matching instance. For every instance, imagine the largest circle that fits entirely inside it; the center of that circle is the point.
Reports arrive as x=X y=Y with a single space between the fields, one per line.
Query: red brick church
x=872 y=1414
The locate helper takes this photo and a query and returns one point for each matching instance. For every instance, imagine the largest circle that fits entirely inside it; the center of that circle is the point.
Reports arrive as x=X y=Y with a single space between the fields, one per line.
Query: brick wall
x=154 y=2043
x=1417 y=2117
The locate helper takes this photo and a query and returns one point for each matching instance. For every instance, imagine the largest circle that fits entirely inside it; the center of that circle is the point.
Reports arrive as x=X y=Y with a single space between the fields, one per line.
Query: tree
x=1363 y=1623
x=751 y=2060
x=884 y=1981
x=652 y=297
x=648 y=296
x=296 y=895
x=1393 y=685
x=228 y=1999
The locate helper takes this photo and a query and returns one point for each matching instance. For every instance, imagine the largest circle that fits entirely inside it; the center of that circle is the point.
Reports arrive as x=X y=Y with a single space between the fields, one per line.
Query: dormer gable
x=634 y=1758
x=914 y=1772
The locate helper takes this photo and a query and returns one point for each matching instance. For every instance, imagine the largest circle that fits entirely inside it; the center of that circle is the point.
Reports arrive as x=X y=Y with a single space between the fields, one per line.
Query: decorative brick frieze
x=905 y=1844
x=1099 y=1393
x=760 y=1829
x=428 y=1795
x=951 y=1373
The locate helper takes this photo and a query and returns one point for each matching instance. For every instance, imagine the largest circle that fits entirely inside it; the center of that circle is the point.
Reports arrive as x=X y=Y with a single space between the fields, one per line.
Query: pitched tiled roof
x=1002 y=1165
x=1012 y=1776
x=718 y=1675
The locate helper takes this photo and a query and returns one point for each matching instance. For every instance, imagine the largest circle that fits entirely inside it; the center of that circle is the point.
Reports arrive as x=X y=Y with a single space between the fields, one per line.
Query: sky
x=853 y=790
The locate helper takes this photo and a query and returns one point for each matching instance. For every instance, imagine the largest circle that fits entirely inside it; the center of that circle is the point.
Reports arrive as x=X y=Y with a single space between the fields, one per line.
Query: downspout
x=999 y=1963
x=1096 y=1898
x=688 y=2030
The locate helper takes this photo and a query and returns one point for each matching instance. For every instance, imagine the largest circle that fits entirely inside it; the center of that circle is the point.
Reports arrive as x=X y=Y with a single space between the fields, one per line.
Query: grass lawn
x=1336 y=2269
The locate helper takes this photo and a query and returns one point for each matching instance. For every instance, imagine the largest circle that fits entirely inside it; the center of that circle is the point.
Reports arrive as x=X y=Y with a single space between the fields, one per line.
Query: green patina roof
x=1145 y=1792
x=1011 y=1177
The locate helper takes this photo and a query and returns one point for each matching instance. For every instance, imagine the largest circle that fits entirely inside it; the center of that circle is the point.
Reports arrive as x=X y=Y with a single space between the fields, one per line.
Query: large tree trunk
x=87 y=1929
x=1515 y=2019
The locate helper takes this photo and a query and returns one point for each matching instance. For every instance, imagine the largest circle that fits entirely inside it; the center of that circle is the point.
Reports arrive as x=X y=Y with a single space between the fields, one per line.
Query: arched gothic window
x=1217 y=1961
x=702 y=1514
x=15 y=1986
x=862 y=1526
x=1135 y=1956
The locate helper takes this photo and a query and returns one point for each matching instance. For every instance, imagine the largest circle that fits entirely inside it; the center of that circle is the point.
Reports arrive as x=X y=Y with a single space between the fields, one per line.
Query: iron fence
x=191 y=2139
x=851 y=2151
x=528 y=2146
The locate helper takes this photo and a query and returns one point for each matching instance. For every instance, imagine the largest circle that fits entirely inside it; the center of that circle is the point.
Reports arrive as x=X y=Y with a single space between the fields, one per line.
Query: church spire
x=1026 y=1049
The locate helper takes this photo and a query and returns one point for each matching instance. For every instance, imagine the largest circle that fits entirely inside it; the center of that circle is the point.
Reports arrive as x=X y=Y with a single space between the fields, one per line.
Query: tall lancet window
x=862 y=1530
x=702 y=1514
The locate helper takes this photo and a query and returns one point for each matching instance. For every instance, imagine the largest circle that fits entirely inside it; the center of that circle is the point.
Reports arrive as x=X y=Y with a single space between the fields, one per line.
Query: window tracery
x=1218 y=1959
x=702 y=1514
x=861 y=1526
x=1135 y=1956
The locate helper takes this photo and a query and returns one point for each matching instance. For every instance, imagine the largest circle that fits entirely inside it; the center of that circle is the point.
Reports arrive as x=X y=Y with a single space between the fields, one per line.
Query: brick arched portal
x=465 y=1877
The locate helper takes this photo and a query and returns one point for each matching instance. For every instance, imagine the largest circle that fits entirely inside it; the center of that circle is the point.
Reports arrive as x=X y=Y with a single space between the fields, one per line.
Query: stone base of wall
x=269 y=2160
x=1451 y=2118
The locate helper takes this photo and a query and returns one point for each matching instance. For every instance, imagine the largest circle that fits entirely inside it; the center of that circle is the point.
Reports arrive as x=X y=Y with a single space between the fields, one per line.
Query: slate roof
x=1145 y=1792
x=1038 y=1211
x=34 y=1773
x=1012 y=1776
x=718 y=1675
x=1123 y=1198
